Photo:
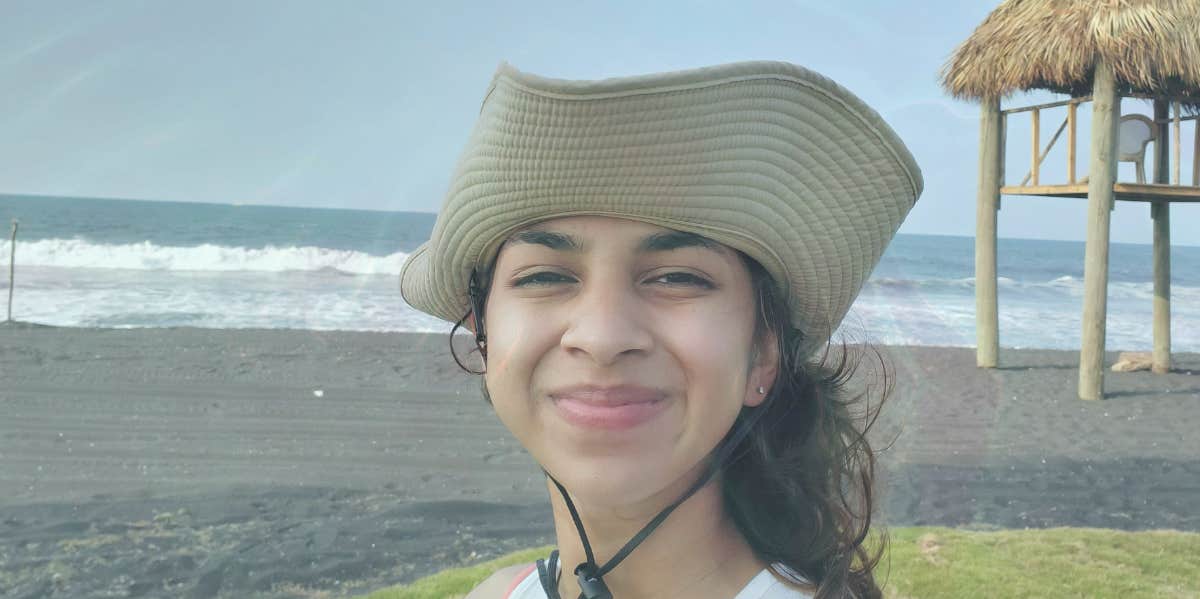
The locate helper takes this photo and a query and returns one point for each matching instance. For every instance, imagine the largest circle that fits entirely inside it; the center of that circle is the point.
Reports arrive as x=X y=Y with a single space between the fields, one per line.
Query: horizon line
x=10 y=195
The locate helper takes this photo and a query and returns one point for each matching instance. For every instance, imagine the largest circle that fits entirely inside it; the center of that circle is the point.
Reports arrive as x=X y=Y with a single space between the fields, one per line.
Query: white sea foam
x=1065 y=286
x=950 y=321
x=77 y=253
x=227 y=300
x=79 y=283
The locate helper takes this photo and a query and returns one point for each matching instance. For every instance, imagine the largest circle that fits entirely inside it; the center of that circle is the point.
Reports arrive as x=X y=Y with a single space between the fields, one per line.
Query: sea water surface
x=123 y=263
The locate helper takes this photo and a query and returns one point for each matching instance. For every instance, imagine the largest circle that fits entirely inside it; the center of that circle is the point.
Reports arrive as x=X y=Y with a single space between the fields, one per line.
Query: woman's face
x=619 y=352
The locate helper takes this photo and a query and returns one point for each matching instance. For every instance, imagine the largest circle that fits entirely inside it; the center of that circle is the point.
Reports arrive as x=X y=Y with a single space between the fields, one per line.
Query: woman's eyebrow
x=674 y=240
x=550 y=239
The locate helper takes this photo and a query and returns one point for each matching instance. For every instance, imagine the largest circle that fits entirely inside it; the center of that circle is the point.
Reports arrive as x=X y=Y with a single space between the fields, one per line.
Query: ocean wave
x=77 y=253
x=1065 y=285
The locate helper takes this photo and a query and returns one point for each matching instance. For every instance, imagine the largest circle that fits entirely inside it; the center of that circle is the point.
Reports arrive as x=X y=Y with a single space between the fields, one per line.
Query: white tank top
x=762 y=586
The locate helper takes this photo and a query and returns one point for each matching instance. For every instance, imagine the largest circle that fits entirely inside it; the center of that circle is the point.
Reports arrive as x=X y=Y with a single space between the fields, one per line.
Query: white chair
x=1134 y=132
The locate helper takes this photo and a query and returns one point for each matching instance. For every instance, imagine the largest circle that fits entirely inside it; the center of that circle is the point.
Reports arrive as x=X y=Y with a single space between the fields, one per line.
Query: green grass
x=933 y=563
x=1059 y=562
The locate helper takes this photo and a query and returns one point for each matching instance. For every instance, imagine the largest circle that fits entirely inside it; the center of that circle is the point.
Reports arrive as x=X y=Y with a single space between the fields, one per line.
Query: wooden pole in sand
x=1160 y=214
x=987 y=315
x=1102 y=169
x=12 y=260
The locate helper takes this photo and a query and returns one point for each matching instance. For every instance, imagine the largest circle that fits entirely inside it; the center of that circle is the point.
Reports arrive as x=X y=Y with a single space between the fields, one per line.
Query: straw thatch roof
x=1153 y=46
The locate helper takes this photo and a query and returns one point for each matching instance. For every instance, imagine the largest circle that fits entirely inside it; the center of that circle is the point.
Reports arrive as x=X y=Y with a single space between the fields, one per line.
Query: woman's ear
x=470 y=323
x=763 y=369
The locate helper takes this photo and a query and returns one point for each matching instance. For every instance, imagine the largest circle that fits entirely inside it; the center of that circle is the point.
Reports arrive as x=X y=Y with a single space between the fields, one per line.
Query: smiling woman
x=650 y=266
x=619 y=368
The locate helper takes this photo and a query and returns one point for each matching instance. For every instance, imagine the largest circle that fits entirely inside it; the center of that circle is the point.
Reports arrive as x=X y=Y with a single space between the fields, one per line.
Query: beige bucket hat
x=768 y=158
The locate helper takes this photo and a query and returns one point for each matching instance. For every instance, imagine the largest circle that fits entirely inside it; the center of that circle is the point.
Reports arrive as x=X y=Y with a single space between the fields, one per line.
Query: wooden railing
x=1038 y=153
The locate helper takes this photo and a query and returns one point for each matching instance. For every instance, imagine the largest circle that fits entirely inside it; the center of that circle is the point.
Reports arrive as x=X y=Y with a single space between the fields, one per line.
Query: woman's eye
x=541 y=278
x=672 y=279
x=684 y=278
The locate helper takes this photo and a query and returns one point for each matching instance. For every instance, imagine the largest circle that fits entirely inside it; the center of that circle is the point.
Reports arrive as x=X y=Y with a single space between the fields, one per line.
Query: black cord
x=590 y=574
x=587 y=547
x=478 y=297
x=548 y=573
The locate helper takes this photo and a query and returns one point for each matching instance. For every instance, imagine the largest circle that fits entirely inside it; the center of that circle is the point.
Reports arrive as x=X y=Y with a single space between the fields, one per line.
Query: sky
x=368 y=104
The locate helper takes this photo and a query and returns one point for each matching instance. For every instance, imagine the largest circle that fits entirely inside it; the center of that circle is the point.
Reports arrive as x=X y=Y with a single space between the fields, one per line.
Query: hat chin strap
x=591 y=575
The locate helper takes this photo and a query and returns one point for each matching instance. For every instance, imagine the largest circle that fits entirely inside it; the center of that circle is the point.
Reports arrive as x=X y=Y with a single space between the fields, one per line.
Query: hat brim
x=765 y=157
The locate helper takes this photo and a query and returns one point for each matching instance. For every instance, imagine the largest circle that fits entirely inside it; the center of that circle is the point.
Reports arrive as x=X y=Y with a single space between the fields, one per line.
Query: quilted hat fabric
x=768 y=158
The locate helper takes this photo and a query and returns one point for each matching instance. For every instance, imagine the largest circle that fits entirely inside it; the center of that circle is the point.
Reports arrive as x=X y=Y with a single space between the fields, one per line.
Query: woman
x=650 y=266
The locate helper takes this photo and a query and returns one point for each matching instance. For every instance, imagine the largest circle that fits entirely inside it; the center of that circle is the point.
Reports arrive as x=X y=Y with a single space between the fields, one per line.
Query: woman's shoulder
x=500 y=583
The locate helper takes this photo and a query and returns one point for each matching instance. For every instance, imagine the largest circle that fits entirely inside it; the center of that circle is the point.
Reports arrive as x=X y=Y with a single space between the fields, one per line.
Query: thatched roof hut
x=1153 y=47
x=1097 y=51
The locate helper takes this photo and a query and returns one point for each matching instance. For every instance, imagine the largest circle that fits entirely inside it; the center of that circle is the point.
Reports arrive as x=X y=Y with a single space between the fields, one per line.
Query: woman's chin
x=610 y=481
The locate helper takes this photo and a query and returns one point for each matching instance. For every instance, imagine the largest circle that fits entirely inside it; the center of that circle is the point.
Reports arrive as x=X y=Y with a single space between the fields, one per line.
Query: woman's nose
x=605 y=322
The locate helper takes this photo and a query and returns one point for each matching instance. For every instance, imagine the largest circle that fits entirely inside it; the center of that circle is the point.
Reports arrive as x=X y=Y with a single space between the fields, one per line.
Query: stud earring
x=761 y=391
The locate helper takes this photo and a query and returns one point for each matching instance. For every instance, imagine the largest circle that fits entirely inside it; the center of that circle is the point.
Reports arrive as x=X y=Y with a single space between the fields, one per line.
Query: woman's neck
x=696 y=552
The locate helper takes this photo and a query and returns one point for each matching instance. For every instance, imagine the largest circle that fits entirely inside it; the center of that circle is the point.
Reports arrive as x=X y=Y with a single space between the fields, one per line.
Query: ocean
x=85 y=262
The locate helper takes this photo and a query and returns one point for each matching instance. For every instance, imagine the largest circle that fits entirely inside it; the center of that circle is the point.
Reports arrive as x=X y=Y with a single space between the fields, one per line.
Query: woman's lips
x=610 y=408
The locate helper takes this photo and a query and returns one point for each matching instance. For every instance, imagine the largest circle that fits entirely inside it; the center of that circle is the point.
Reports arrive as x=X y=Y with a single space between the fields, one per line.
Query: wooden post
x=1102 y=170
x=12 y=260
x=1071 y=142
x=1160 y=214
x=1037 y=144
x=1162 y=160
x=1196 y=155
x=1001 y=153
x=1043 y=153
x=1175 y=145
x=987 y=315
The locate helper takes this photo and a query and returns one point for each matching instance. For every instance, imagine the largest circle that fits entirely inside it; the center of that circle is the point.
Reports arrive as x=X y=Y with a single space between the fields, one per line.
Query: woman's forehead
x=581 y=233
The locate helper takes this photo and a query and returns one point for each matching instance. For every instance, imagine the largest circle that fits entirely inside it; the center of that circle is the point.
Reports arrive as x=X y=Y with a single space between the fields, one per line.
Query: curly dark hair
x=800 y=485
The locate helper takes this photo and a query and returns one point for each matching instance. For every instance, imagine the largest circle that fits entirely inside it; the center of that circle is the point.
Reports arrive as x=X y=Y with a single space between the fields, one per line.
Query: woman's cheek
x=506 y=337
x=717 y=357
x=513 y=350
x=707 y=341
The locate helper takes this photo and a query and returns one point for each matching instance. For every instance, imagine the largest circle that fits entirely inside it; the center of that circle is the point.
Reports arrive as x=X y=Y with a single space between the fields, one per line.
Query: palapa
x=1105 y=49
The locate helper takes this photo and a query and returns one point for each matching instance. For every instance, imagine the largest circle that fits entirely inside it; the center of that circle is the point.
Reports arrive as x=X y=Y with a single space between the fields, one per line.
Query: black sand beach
x=202 y=463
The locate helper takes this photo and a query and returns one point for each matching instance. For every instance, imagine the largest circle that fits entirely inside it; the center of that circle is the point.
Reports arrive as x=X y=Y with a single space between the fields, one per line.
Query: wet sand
x=201 y=463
